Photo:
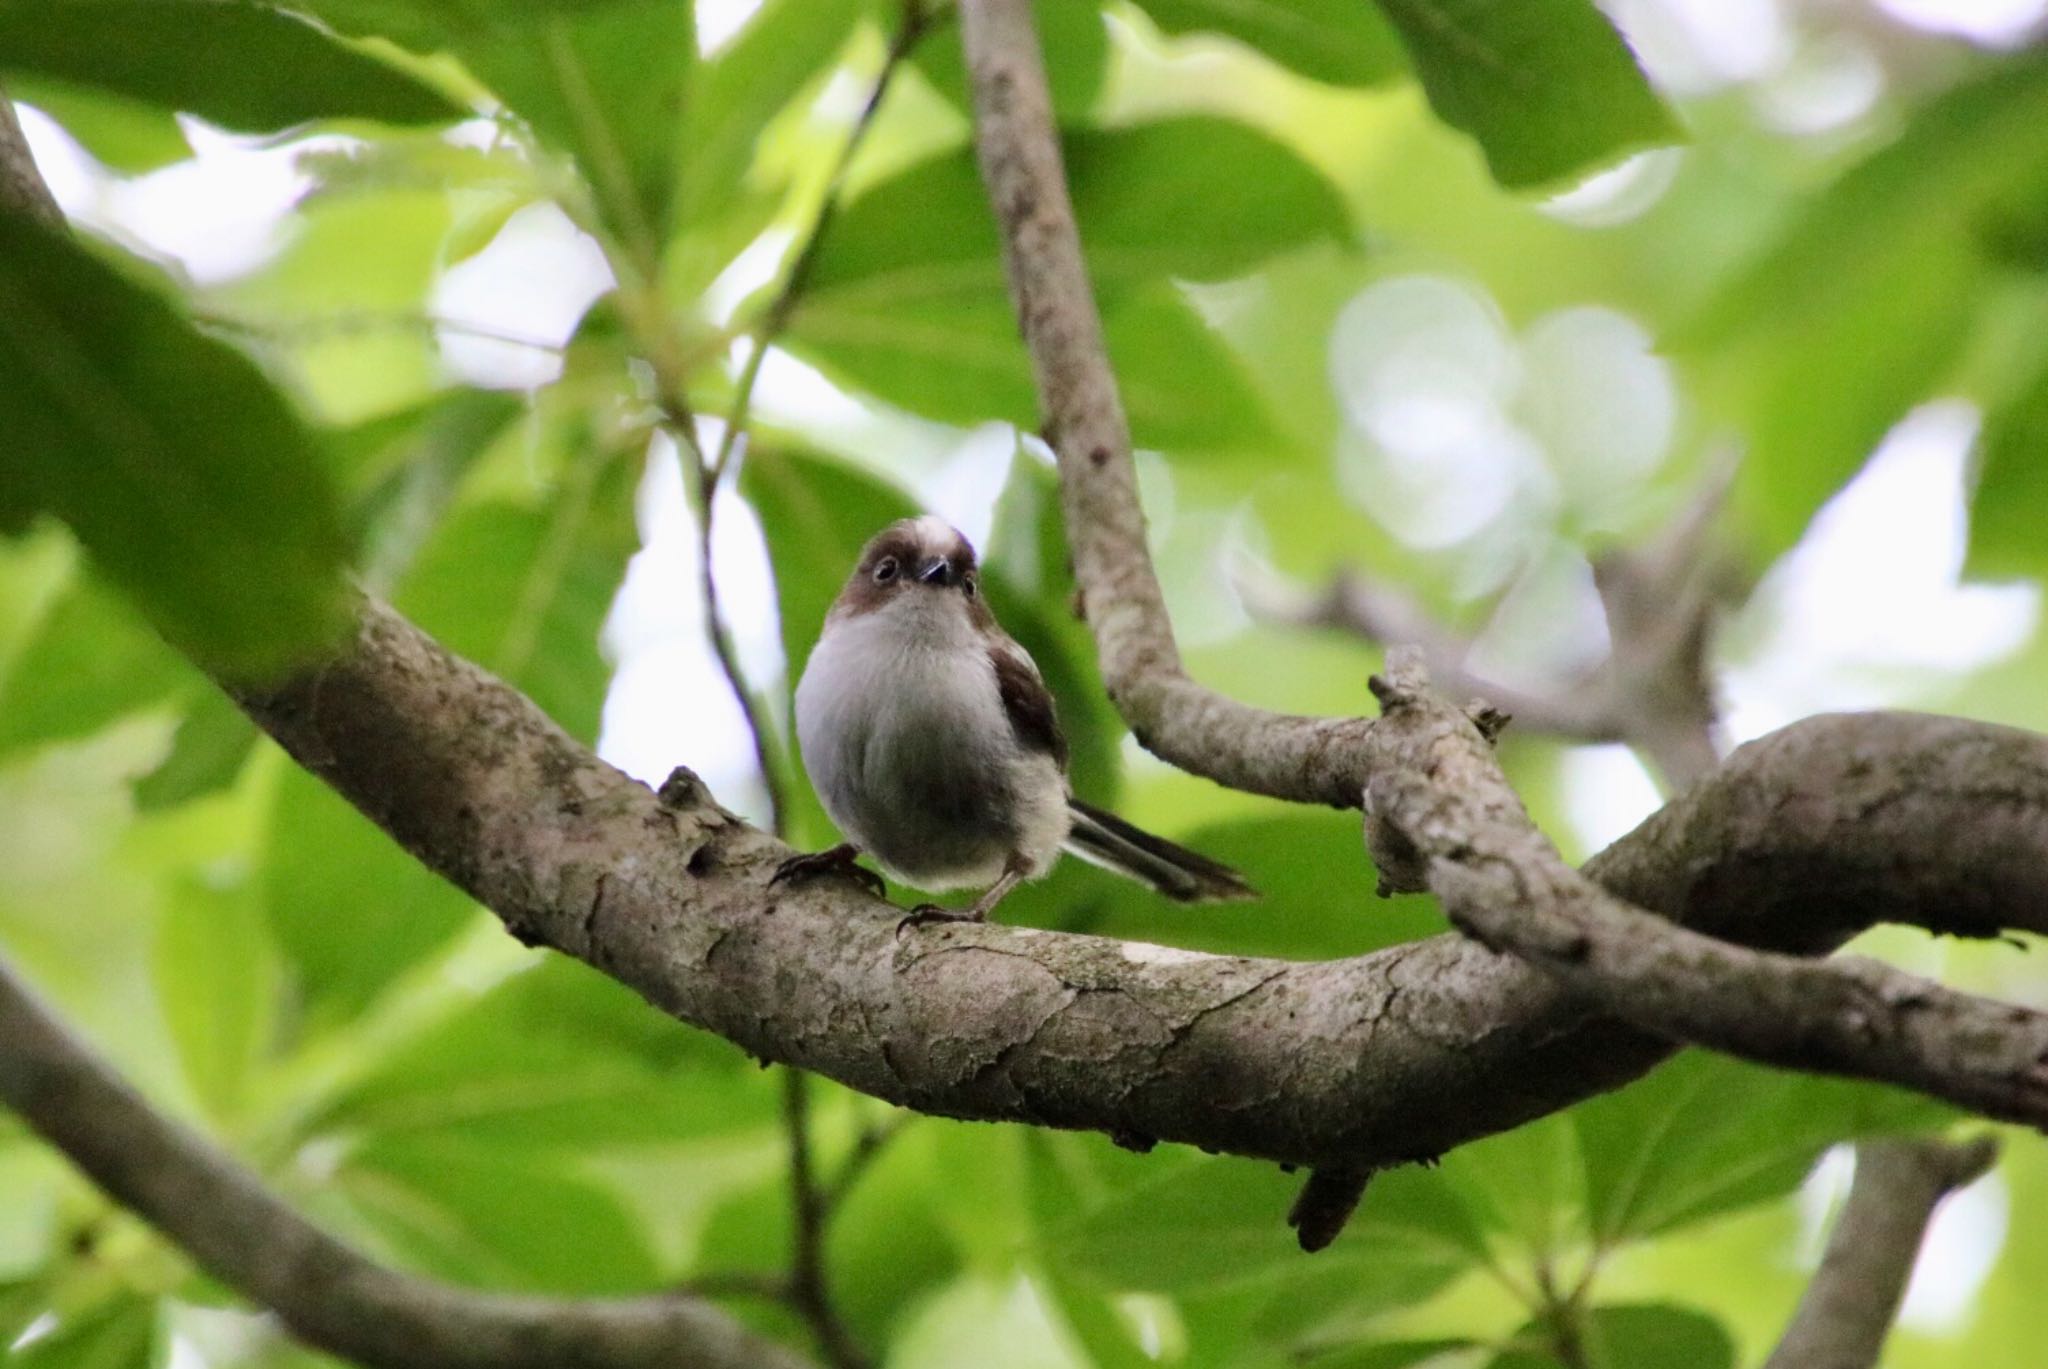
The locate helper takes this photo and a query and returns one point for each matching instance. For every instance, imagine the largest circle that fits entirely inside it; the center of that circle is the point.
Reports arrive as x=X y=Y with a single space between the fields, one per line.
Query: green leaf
x=207 y=752
x=215 y=974
x=907 y=297
x=785 y=47
x=523 y=591
x=815 y=514
x=1196 y=198
x=347 y=906
x=401 y=472
x=1075 y=43
x=1219 y=1221
x=90 y=662
x=1705 y=1135
x=1860 y=310
x=557 y=1056
x=240 y=65
x=1389 y=1355
x=497 y=1219
x=124 y=135
x=188 y=478
x=607 y=84
x=121 y=1332
x=1342 y=42
x=1546 y=87
x=1632 y=1336
x=2009 y=507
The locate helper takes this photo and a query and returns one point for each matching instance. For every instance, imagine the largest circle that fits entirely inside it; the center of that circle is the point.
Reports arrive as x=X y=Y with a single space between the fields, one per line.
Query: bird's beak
x=936 y=571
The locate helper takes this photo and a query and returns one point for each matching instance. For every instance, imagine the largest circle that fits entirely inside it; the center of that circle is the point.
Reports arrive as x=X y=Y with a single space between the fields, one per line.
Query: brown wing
x=1027 y=701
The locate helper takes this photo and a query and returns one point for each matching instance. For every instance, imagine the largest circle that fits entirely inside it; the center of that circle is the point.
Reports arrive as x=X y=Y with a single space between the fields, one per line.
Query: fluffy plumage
x=933 y=743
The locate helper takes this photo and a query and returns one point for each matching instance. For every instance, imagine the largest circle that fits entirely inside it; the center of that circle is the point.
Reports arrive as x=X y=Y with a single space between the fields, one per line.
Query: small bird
x=932 y=741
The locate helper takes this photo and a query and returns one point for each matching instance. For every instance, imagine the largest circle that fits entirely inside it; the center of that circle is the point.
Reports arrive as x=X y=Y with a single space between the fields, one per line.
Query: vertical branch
x=1847 y=1310
x=809 y=1207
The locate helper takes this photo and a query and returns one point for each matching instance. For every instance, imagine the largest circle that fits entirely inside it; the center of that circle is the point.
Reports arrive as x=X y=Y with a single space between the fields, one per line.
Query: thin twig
x=916 y=23
x=809 y=1290
x=867 y=1148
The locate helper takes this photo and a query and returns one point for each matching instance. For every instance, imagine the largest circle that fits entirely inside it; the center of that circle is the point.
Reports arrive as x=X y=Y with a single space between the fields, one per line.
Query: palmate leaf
x=244 y=66
x=190 y=481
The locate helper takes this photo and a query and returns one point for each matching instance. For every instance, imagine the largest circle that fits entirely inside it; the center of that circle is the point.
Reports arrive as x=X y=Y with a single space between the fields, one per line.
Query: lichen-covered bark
x=1388 y=1057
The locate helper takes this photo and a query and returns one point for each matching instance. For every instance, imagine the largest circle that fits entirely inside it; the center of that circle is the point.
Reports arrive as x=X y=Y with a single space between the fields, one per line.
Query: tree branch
x=1849 y=1306
x=1444 y=818
x=327 y=1294
x=1797 y=843
x=809 y=1289
x=1314 y=760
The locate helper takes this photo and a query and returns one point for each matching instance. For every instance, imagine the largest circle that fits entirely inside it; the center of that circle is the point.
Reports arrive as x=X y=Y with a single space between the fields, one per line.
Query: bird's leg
x=977 y=911
x=839 y=860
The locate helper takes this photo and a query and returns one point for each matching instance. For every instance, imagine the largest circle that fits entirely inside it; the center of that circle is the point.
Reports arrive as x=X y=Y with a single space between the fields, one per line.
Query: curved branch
x=1797 y=843
x=326 y=1293
x=1847 y=1309
x=1314 y=760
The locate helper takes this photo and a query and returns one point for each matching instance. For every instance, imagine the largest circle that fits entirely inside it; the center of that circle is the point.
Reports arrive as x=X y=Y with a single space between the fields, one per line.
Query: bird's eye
x=885 y=570
x=967 y=585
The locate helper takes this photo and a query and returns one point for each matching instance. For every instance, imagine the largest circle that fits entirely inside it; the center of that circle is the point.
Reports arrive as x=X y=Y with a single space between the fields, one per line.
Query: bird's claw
x=925 y=913
x=839 y=860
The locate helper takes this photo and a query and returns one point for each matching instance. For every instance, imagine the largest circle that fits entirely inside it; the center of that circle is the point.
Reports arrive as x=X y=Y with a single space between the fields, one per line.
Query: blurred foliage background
x=1436 y=290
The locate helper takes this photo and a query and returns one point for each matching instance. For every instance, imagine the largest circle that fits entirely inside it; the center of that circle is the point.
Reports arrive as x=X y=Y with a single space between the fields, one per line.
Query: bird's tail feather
x=1182 y=875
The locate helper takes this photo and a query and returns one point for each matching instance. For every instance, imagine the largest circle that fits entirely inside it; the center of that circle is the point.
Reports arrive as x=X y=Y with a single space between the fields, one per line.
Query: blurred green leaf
x=1858 y=311
x=786 y=46
x=1634 y=1336
x=485 y=1216
x=121 y=1332
x=401 y=473
x=2009 y=508
x=240 y=65
x=1072 y=36
x=557 y=1056
x=1219 y=1221
x=349 y=909
x=1195 y=198
x=816 y=513
x=124 y=135
x=523 y=591
x=907 y=297
x=1342 y=42
x=1704 y=1135
x=90 y=662
x=1389 y=1355
x=207 y=753
x=215 y=973
x=1546 y=87
x=608 y=84
x=188 y=478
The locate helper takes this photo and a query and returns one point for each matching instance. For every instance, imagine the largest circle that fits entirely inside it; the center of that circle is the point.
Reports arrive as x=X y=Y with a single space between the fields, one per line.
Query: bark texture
x=1800 y=841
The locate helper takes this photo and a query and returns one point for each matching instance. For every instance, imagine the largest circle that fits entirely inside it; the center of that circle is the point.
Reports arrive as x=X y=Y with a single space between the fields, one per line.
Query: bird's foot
x=839 y=861
x=926 y=913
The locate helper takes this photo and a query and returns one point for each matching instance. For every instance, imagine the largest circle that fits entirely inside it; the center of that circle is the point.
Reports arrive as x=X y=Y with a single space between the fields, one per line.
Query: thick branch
x=1797 y=843
x=327 y=1294
x=1315 y=760
x=1447 y=820
x=1847 y=1310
